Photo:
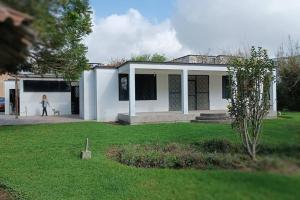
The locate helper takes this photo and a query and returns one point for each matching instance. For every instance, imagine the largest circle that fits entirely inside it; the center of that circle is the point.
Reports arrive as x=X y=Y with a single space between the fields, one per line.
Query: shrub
x=172 y=156
x=220 y=154
x=219 y=146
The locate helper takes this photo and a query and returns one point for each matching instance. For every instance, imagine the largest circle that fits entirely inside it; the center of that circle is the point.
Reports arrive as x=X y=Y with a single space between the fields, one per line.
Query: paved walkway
x=10 y=119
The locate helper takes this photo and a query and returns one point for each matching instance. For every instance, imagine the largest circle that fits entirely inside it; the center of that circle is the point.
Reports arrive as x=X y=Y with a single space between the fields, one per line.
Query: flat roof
x=157 y=63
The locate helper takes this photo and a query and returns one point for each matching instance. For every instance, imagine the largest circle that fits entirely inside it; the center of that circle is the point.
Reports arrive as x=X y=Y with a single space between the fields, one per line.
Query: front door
x=198 y=92
x=174 y=92
x=202 y=86
x=192 y=92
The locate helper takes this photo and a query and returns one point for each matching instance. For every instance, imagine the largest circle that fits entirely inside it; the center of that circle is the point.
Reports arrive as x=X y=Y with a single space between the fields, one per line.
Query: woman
x=44 y=103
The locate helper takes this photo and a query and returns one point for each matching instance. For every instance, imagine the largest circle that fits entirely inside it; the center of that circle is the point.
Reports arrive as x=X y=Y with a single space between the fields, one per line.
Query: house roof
x=16 y=17
x=167 y=63
x=16 y=37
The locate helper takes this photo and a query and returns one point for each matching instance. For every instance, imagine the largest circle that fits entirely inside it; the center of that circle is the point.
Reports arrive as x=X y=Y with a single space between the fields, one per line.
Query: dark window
x=225 y=87
x=145 y=87
x=46 y=86
x=123 y=87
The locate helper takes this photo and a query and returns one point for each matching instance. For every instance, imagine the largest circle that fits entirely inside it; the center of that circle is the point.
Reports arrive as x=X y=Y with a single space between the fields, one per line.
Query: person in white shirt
x=44 y=103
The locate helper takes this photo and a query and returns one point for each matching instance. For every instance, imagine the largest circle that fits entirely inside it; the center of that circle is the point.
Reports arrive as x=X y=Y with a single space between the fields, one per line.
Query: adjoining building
x=62 y=96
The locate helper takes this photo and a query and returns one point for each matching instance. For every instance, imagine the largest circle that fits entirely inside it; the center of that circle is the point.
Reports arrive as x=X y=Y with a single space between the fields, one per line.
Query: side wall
x=87 y=95
x=30 y=102
x=215 y=93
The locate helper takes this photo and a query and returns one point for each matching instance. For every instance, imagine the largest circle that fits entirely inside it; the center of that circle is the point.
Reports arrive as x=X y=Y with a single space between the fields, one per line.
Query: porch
x=177 y=92
x=164 y=117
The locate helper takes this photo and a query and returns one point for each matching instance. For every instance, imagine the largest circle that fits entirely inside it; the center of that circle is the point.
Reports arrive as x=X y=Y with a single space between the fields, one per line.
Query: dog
x=56 y=112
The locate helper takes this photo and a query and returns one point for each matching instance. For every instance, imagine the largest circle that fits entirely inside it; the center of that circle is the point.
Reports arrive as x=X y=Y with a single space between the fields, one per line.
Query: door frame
x=196 y=92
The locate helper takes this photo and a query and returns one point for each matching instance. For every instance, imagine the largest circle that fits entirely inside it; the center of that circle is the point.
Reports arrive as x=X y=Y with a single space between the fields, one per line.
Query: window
x=123 y=87
x=225 y=87
x=45 y=86
x=145 y=87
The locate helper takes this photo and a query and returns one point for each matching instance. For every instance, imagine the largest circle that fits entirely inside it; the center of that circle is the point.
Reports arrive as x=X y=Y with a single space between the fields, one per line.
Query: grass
x=42 y=162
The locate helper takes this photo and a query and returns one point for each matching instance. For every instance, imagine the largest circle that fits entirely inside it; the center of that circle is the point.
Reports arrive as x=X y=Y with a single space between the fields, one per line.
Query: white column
x=97 y=93
x=274 y=92
x=131 y=91
x=184 y=91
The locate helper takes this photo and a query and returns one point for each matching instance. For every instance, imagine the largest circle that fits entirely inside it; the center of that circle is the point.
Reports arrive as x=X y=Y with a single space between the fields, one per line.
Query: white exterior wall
x=215 y=93
x=10 y=84
x=30 y=102
x=87 y=97
x=109 y=105
x=81 y=97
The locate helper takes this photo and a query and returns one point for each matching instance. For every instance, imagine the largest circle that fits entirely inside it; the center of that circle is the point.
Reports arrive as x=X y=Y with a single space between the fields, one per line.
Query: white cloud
x=121 y=36
x=197 y=26
x=224 y=25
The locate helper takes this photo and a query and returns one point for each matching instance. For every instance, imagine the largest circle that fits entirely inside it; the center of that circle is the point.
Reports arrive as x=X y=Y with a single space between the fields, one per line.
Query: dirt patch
x=4 y=195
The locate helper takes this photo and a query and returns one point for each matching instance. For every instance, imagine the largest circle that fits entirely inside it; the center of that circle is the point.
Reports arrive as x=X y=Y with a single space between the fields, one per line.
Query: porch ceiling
x=167 y=68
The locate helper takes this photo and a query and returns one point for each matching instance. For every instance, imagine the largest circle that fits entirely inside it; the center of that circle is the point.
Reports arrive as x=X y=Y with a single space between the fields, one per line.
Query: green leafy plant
x=250 y=98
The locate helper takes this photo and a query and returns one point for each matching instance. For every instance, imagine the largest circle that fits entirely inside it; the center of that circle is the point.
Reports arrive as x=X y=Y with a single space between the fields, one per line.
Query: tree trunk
x=16 y=97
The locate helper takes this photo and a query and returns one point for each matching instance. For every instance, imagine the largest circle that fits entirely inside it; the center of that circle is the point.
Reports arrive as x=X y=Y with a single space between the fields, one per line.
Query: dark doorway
x=12 y=101
x=75 y=100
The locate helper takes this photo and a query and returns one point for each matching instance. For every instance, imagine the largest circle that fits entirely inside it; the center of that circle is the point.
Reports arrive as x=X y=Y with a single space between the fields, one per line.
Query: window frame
x=125 y=95
x=225 y=87
x=45 y=85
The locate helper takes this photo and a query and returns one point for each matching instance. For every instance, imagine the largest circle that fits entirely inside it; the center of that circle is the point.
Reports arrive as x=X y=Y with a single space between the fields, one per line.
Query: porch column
x=131 y=91
x=274 y=93
x=184 y=91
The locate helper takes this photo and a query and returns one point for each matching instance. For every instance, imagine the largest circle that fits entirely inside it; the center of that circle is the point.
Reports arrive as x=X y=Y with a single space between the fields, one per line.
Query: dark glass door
x=75 y=100
x=174 y=92
x=198 y=92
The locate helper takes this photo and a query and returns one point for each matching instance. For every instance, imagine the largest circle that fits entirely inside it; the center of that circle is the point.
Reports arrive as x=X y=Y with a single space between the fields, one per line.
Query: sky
x=125 y=28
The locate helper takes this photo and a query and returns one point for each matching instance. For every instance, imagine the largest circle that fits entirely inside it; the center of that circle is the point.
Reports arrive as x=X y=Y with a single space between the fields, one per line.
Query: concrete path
x=10 y=119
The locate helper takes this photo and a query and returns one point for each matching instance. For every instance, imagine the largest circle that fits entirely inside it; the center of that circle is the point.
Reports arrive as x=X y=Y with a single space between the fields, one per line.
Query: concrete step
x=227 y=121
x=212 y=118
x=214 y=115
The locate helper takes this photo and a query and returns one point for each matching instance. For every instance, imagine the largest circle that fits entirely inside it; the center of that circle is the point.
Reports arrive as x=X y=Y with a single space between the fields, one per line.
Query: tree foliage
x=288 y=88
x=250 y=80
x=61 y=26
x=150 y=58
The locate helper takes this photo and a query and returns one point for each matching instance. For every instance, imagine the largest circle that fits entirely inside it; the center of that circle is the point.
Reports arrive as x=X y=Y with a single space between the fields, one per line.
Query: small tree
x=250 y=80
x=150 y=58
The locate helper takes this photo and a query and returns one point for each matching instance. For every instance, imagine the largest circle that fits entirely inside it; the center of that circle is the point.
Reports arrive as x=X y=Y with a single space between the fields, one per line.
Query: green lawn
x=42 y=162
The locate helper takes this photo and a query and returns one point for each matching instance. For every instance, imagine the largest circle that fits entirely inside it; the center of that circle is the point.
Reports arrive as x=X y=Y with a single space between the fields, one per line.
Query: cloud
x=121 y=36
x=224 y=25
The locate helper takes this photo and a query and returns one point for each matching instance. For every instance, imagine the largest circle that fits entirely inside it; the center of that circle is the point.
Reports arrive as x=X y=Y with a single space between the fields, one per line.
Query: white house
x=60 y=95
x=139 y=92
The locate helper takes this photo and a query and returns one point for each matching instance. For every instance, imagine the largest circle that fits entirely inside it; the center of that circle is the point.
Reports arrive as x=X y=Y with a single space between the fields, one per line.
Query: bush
x=173 y=156
x=213 y=154
x=218 y=146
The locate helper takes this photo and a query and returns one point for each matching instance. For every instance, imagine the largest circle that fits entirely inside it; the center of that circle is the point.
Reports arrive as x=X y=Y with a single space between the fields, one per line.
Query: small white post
x=184 y=91
x=86 y=154
x=131 y=91
x=274 y=93
x=87 y=144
